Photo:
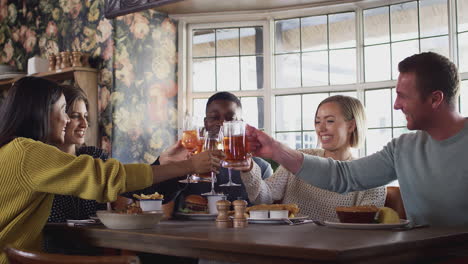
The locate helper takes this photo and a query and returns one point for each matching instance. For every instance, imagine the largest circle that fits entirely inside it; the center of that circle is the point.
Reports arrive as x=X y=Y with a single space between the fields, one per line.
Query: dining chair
x=16 y=256
x=394 y=201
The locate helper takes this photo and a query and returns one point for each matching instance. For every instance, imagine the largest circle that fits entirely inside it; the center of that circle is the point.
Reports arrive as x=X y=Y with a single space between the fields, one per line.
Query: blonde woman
x=340 y=126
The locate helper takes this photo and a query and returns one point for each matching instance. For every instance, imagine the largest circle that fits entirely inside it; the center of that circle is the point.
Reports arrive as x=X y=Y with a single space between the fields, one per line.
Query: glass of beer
x=213 y=141
x=190 y=136
x=234 y=142
x=190 y=141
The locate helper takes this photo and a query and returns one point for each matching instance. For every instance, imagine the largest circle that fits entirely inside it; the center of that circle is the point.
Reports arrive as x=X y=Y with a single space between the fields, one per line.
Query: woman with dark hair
x=67 y=206
x=34 y=117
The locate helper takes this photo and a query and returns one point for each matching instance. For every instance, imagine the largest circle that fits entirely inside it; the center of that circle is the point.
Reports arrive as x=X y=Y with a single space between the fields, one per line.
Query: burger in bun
x=196 y=204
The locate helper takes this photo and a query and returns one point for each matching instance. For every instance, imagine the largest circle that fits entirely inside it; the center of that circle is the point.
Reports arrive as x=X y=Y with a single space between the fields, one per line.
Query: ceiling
x=211 y=6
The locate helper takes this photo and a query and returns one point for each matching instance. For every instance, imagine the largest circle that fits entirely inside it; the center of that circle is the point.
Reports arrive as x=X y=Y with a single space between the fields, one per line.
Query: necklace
x=331 y=156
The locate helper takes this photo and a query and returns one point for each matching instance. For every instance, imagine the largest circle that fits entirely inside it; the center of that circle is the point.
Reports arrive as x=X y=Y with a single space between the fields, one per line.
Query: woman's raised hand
x=174 y=153
x=207 y=161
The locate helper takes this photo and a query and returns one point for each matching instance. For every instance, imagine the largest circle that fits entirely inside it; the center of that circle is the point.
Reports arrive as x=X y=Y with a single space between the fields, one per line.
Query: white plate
x=11 y=75
x=114 y=220
x=199 y=217
x=402 y=223
x=274 y=221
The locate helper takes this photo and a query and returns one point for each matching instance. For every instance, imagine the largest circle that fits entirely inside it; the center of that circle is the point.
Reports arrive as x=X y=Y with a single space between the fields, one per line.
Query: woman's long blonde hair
x=352 y=109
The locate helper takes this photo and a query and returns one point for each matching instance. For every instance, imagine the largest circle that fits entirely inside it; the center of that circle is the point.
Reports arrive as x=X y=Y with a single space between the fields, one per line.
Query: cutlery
x=302 y=221
x=411 y=227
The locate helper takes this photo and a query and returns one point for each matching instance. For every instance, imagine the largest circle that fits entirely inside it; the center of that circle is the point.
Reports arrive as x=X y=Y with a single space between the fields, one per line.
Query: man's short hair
x=434 y=72
x=227 y=96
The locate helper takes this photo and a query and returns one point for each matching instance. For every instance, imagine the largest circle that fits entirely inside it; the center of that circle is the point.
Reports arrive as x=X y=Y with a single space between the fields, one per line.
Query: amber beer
x=234 y=148
x=200 y=143
x=190 y=140
x=234 y=144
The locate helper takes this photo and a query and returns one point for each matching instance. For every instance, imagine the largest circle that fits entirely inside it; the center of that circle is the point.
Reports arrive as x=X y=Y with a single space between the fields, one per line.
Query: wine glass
x=230 y=182
x=190 y=141
x=213 y=141
x=235 y=147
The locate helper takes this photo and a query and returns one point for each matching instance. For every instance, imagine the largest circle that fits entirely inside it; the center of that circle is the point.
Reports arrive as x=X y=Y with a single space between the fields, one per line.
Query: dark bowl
x=359 y=215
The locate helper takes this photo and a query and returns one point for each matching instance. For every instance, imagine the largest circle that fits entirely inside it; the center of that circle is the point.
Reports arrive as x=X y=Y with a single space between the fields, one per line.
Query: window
x=295 y=118
x=462 y=37
x=310 y=51
x=462 y=30
x=282 y=68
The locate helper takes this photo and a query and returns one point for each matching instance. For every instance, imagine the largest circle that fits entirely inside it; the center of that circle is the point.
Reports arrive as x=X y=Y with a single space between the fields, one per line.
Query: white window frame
x=266 y=19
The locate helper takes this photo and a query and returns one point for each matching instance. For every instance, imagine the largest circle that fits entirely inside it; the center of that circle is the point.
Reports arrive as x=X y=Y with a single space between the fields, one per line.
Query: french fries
x=153 y=196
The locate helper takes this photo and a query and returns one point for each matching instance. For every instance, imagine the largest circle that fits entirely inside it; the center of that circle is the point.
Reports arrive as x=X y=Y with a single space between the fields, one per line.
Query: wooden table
x=276 y=243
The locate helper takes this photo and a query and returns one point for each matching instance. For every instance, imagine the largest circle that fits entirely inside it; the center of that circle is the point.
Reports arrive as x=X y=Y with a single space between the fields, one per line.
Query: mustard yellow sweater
x=31 y=173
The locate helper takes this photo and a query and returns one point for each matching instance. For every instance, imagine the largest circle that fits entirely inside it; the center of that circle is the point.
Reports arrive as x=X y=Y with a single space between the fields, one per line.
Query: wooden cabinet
x=86 y=78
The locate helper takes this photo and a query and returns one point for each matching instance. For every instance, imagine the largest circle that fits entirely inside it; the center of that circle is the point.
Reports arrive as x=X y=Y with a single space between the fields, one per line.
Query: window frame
x=266 y=19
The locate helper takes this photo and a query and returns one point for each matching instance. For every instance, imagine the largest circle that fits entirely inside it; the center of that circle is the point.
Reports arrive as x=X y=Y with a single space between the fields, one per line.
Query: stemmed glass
x=234 y=147
x=213 y=141
x=230 y=182
x=190 y=141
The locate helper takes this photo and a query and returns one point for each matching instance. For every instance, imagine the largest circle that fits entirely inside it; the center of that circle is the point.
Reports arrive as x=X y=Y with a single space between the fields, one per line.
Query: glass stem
x=212 y=182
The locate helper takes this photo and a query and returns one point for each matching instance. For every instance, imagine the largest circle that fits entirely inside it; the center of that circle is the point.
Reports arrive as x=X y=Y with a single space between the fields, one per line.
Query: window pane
x=346 y=93
x=377 y=139
x=315 y=68
x=291 y=139
x=463 y=52
x=252 y=109
x=199 y=106
x=342 y=30
x=462 y=13
x=309 y=140
x=376 y=26
x=377 y=63
x=251 y=41
x=310 y=103
x=204 y=75
x=404 y=21
x=288 y=113
x=288 y=71
x=438 y=44
x=400 y=131
x=378 y=108
x=433 y=17
x=342 y=66
x=400 y=51
x=227 y=42
x=287 y=35
x=464 y=98
x=314 y=33
x=251 y=72
x=399 y=118
x=227 y=74
x=203 y=43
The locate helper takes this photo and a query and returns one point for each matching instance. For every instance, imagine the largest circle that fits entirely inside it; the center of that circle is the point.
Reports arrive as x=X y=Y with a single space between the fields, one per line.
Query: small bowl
x=279 y=214
x=151 y=204
x=357 y=214
x=258 y=214
x=113 y=220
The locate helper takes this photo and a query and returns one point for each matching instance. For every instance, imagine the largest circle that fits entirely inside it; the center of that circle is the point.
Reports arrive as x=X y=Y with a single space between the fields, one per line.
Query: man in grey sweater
x=431 y=165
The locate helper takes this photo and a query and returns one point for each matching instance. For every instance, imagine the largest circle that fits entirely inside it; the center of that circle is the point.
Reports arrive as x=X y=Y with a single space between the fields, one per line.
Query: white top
x=317 y=203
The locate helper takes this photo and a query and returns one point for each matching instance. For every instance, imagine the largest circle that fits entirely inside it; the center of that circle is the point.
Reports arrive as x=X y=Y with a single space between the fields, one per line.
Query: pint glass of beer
x=234 y=143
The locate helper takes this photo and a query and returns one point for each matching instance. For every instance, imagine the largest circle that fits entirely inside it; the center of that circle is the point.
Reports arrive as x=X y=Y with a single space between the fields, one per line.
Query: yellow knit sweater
x=31 y=173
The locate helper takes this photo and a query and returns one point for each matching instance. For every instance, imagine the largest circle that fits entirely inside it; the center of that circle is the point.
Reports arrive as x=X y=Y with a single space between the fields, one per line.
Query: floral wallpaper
x=136 y=56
